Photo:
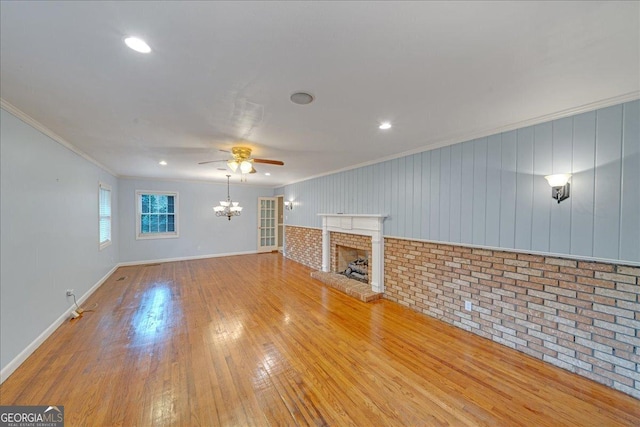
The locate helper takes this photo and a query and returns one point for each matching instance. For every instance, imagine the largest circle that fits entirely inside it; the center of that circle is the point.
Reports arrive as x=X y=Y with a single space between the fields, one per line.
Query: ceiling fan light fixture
x=245 y=166
x=301 y=98
x=233 y=165
x=137 y=44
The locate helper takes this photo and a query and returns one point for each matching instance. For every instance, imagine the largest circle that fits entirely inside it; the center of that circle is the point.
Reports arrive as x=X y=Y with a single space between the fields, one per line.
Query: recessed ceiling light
x=302 y=98
x=137 y=44
x=384 y=126
x=267 y=174
x=162 y=163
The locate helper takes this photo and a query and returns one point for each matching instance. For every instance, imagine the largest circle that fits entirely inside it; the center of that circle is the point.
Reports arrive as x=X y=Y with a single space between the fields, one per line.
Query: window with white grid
x=156 y=214
x=104 y=214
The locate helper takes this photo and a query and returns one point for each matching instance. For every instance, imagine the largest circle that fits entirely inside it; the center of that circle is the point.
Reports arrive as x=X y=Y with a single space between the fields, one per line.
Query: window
x=157 y=215
x=104 y=214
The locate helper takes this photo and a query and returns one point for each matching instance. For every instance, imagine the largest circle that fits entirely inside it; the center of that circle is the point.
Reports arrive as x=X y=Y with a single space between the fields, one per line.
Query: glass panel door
x=267 y=224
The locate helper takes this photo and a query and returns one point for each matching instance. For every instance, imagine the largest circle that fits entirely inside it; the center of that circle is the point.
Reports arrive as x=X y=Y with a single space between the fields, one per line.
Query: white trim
x=371 y=225
x=107 y=187
x=24 y=354
x=176 y=215
x=444 y=142
x=525 y=251
x=263 y=249
x=186 y=258
x=48 y=132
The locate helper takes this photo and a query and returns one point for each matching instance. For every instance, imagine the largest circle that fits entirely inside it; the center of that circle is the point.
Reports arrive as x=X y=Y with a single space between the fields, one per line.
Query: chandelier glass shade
x=228 y=207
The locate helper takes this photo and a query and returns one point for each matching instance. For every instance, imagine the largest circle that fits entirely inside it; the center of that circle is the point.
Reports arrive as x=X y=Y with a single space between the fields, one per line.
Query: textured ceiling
x=221 y=74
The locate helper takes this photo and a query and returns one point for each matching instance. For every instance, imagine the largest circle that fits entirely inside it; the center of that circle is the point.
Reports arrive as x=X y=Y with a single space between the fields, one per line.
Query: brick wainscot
x=583 y=316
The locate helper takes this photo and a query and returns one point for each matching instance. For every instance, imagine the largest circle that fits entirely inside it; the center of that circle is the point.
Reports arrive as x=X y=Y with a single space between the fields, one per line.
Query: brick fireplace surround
x=583 y=316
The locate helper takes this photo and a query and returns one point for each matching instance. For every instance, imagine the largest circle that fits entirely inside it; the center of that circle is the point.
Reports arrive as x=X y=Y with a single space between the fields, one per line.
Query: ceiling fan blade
x=269 y=162
x=212 y=161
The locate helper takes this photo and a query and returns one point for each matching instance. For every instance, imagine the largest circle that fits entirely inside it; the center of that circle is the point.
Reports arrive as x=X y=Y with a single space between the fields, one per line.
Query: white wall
x=201 y=233
x=492 y=192
x=49 y=234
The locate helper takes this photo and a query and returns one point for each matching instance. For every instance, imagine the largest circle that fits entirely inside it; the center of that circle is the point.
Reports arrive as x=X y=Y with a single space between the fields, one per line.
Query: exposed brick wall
x=578 y=315
x=350 y=240
x=304 y=245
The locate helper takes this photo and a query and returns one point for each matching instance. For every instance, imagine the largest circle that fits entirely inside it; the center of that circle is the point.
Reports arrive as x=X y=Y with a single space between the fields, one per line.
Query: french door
x=267 y=224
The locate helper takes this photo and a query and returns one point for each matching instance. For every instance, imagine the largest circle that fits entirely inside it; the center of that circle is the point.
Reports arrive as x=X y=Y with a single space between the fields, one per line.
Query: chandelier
x=228 y=207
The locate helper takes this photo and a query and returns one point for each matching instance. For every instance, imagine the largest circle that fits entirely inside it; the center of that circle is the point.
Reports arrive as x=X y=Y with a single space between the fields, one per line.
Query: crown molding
x=10 y=108
x=444 y=142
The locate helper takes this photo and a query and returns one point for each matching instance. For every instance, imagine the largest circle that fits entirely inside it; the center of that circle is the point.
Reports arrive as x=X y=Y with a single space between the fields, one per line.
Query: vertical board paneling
x=361 y=190
x=583 y=184
x=387 y=198
x=492 y=191
x=630 y=213
x=560 y=239
x=434 y=219
x=466 y=194
x=455 y=192
x=541 y=214
x=492 y=233
x=402 y=192
x=524 y=188
x=606 y=230
x=352 y=176
x=417 y=195
x=445 y=192
x=479 y=190
x=508 y=180
x=426 y=194
x=395 y=215
x=374 y=188
x=408 y=204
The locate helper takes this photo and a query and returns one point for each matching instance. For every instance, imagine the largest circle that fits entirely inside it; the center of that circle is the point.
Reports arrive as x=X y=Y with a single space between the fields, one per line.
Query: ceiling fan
x=242 y=160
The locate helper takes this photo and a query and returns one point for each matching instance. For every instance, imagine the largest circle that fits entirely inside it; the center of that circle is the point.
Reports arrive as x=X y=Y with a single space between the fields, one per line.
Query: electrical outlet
x=69 y=292
x=467 y=305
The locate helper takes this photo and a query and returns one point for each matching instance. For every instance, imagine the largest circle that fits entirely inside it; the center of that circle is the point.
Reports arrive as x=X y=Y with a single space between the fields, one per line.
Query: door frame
x=262 y=249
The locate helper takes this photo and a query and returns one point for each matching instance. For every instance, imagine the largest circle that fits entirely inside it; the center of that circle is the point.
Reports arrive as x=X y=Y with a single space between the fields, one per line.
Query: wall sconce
x=288 y=205
x=559 y=185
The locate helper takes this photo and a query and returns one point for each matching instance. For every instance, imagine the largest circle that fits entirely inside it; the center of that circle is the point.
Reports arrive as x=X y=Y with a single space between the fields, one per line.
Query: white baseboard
x=184 y=258
x=24 y=354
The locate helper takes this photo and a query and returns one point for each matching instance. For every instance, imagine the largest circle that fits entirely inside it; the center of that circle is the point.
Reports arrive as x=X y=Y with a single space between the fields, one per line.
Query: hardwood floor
x=252 y=340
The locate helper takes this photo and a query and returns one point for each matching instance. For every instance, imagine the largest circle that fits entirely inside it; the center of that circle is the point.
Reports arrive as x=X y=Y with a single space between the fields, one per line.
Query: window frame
x=104 y=243
x=156 y=235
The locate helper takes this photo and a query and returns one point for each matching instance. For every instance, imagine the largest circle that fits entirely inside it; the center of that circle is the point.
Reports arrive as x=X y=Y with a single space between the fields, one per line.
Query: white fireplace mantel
x=362 y=224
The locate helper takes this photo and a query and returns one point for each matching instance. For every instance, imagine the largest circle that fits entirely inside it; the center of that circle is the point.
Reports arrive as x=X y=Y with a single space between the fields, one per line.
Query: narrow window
x=104 y=214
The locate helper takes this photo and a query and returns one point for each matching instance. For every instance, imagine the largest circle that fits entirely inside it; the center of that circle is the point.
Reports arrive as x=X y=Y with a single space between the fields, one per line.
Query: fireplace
x=352 y=263
x=360 y=233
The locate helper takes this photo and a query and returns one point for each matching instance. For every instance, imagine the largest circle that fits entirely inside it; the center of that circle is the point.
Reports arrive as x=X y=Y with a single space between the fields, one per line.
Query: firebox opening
x=353 y=263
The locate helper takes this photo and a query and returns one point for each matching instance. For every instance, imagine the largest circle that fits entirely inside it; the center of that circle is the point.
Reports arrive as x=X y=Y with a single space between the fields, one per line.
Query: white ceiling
x=222 y=72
